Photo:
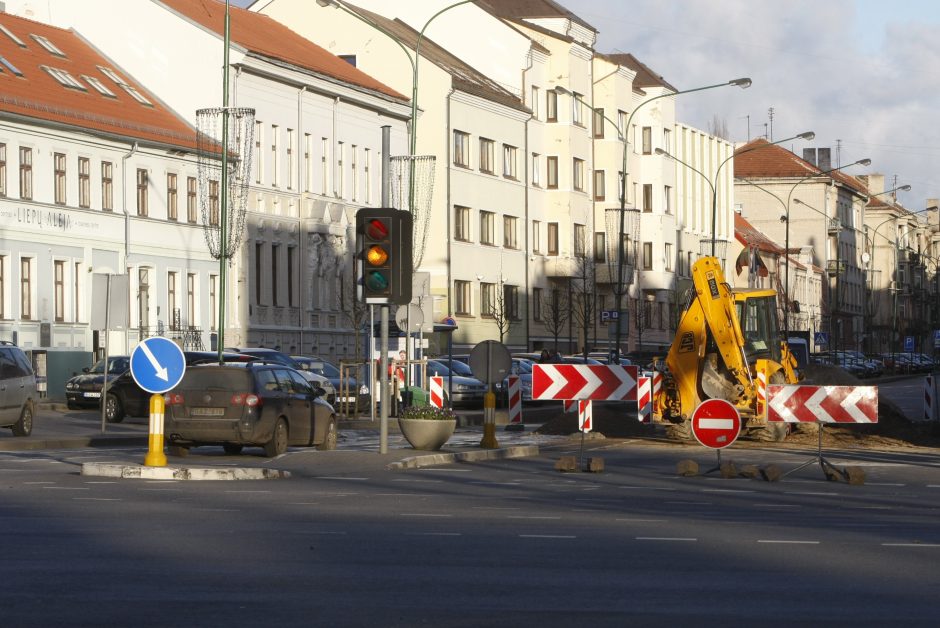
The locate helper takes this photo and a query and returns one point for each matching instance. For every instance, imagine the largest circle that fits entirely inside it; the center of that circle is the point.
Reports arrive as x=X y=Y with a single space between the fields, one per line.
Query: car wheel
x=278 y=443
x=329 y=440
x=24 y=427
x=113 y=410
x=71 y=405
x=232 y=449
x=180 y=451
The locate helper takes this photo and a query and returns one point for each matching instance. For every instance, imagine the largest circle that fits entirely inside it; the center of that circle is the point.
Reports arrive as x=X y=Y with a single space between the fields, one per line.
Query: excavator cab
x=757 y=314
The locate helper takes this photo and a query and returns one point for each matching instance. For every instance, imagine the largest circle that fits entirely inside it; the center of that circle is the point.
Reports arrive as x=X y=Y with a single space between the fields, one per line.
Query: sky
x=859 y=73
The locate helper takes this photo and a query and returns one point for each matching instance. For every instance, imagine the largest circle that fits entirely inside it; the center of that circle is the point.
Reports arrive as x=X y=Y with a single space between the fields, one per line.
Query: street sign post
x=490 y=362
x=157 y=365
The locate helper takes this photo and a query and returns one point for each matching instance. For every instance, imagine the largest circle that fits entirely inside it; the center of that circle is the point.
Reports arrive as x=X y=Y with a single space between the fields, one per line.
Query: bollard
x=155 y=456
x=489 y=421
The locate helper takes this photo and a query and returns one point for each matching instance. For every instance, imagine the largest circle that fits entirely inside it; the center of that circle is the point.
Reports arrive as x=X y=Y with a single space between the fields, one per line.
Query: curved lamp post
x=624 y=133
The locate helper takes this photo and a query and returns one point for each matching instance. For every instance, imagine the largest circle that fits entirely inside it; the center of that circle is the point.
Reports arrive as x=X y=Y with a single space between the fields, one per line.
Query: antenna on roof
x=770 y=116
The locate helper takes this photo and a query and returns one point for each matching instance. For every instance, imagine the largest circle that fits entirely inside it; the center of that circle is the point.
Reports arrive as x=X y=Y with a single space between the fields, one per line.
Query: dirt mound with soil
x=618 y=420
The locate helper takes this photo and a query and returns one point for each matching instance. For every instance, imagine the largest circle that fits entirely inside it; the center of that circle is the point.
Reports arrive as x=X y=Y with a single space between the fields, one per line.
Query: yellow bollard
x=155 y=456
x=489 y=421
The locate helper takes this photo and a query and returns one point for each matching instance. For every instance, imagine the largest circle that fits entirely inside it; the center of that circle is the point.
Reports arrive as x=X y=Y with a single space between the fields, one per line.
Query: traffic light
x=384 y=255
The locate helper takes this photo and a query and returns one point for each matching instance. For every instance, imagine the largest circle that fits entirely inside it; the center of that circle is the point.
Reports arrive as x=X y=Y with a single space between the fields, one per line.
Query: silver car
x=17 y=390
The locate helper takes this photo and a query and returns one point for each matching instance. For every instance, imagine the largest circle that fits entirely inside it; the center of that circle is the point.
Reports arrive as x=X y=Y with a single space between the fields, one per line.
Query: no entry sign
x=716 y=423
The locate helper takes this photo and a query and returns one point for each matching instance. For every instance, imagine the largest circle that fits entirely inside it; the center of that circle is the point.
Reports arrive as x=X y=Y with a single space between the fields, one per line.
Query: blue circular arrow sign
x=157 y=364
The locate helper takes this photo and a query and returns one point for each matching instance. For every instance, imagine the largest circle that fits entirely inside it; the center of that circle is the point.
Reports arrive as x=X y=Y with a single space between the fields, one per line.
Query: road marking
x=726 y=490
x=100 y=482
x=97 y=499
x=787 y=542
x=910 y=544
x=778 y=505
x=445 y=469
x=547 y=536
x=423 y=514
x=67 y=488
x=246 y=492
x=531 y=517
x=433 y=534
x=642 y=520
x=666 y=538
x=495 y=508
x=812 y=493
x=415 y=481
x=40 y=482
x=884 y=484
x=649 y=488
x=336 y=477
x=686 y=503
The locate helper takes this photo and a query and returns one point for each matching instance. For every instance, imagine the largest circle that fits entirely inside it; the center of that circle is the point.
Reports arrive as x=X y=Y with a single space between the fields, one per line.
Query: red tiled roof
x=37 y=95
x=759 y=159
x=749 y=235
x=265 y=36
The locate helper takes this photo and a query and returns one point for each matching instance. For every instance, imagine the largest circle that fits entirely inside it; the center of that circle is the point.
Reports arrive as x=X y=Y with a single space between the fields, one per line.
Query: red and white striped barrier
x=515 y=400
x=761 y=394
x=822 y=404
x=657 y=386
x=436 y=396
x=644 y=398
x=570 y=405
x=928 y=398
x=585 y=414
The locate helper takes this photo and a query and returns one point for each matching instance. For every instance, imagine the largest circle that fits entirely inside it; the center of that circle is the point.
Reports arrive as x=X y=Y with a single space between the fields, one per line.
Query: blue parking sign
x=908 y=343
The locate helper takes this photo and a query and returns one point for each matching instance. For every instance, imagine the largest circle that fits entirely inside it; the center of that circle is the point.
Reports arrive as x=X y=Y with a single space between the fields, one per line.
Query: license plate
x=207 y=411
x=96 y=395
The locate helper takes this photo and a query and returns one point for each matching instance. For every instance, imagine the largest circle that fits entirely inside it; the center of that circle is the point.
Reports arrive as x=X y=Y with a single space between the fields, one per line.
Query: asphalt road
x=346 y=542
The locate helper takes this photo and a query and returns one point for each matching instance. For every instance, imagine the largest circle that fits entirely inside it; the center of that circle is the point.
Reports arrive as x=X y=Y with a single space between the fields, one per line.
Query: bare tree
x=502 y=311
x=584 y=296
x=719 y=128
x=555 y=312
x=354 y=312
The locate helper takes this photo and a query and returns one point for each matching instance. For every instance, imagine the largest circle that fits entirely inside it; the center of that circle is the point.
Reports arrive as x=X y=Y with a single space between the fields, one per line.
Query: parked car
x=350 y=387
x=126 y=398
x=17 y=390
x=466 y=390
x=279 y=357
x=522 y=368
x=84 y=390
x=250 y=403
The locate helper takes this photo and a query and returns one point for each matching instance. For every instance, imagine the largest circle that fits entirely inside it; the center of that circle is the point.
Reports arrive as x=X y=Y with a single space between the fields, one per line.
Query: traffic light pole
x=386 y=398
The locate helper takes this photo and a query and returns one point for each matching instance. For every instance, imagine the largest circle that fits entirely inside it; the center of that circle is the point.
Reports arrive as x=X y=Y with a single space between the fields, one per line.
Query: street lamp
x=807 y=135
x=624 y=133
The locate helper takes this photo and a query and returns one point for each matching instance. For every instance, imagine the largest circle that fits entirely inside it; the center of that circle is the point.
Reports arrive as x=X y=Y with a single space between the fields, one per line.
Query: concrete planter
x=427 y=435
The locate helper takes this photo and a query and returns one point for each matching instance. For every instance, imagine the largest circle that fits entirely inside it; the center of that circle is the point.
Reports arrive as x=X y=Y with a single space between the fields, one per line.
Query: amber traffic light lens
x=376 y=255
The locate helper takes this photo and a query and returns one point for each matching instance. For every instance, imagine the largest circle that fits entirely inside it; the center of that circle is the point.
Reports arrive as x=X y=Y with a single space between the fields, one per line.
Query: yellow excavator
x=727 y=340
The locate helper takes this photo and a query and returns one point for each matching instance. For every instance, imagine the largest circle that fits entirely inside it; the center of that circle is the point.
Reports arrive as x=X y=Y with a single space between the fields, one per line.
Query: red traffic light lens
x=377 y=229
x=376 y=255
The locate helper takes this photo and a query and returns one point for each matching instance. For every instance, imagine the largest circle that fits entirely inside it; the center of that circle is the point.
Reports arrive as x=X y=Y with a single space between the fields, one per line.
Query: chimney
x=809 y=154
x=875 y=183
x=824 y=161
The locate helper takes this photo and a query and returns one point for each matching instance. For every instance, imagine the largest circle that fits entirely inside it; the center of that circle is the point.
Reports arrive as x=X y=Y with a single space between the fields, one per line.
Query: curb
x=430 y=460
x=179 y=473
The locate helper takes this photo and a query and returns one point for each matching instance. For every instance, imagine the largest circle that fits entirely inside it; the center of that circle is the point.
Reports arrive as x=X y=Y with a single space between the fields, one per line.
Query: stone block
x=687 y=468
x=749 y=471
x=728 y=470
x=771 y=473
x=595 y=465
x=854 y=475
x=566 y=464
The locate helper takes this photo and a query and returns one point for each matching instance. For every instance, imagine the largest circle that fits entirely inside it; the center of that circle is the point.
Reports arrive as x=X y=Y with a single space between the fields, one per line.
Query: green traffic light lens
x=376 y=281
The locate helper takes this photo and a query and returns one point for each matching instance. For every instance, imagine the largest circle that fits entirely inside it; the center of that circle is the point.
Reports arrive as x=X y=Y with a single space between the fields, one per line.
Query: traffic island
x=142 y=472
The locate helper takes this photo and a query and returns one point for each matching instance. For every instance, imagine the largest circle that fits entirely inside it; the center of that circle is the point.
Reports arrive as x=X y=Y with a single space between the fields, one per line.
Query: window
x=511 y=302
x=668 y=253
x=256 y=154
x=59 y=289
x=308 y=161
x=366 y=160
x=487 y=228
x=141 y=192
x=354 y=167
x=48 y=45
x=536 y=239
x=291 y=174
x=259 y=268
x=99 y=86
x=577 y=104
x=462 y=297
x=58 y=161
x=275 y=147
x=487 y=299
x=553 y=238
x=647 y=140
x=84 y=182
x=577 y=174
x=462 y=223
x=324 y=160
x=534 y=102
x=213 y=202
x=19 y=42
x=536 y=173
x=551 y=105
x=26 y=288
x=552 y=167
x=3 y=286
x=667 y=140
x=143 y=298
x=600 y=187
x=621 y=123
x=191 y=187
x=76 y=290
x=275 y=254
x=213 y=303
x=647 y=197
x=487 y=155
x=26 y=173
x=510 y=238
x=600 y=247
x=3 y=170
x=461 y=149
x=647 y=256
x=339 y=185
x=107 y=186
x=579 y=242
x=536 y=304
x=171 y=209
x=598 y=124
x=667 y=199
x=291 y=262
x=136 y=95
x=191 y=298
x=171 y=298
x=509 y=161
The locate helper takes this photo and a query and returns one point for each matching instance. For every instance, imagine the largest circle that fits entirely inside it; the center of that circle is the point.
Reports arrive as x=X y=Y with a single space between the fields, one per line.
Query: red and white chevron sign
x=515 y=400
x=585 y=415
x=437 y=391
x=610 y=382
x=644 y=401
x=822 y=404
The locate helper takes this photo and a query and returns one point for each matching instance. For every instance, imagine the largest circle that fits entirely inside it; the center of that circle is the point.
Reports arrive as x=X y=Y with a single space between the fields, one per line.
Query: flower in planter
x=428 y=413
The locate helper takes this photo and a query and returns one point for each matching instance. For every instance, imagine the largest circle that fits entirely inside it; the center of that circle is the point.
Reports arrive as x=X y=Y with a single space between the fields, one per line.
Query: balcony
x=835 y=267
x=833 y=226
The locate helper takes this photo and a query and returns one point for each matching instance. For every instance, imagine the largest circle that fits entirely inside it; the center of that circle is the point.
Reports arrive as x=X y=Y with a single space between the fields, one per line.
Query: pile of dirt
x=893 y=429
